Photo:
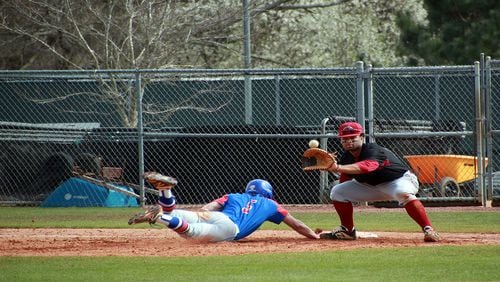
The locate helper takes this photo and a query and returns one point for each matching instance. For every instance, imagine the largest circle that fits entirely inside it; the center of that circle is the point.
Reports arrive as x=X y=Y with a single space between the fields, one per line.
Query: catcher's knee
x=340 y=192
x=335 y=196
x=405 y=198
x=332 y=193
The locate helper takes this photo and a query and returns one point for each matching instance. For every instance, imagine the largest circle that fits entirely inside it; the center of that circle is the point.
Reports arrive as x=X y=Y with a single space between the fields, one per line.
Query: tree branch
x=80 y=35
x=311 y=6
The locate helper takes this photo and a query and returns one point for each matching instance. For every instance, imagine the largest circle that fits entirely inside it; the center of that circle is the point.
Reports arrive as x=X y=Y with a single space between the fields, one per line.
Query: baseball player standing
x=370 y=172
x=231 y=217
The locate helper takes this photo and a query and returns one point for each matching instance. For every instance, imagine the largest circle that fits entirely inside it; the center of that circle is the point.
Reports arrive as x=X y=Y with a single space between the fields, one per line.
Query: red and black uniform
x=378 y=164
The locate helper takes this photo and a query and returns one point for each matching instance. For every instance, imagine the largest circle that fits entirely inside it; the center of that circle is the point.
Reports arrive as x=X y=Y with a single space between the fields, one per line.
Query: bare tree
x=133 y=34
x=119 y=34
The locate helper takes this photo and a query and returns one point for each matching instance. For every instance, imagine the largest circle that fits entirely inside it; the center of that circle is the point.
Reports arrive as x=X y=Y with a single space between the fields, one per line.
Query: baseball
x=313 y=144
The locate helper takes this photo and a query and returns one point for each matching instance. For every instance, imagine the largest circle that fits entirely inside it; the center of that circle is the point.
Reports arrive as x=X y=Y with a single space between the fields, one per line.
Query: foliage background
x=69 y=34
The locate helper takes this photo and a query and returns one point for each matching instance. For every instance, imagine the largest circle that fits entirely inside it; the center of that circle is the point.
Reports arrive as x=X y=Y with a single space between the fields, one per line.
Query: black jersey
x=390 y=166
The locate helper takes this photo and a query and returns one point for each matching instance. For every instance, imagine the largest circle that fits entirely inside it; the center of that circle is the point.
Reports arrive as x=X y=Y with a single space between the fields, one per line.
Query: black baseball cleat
x=340 y=233
x=430 y=235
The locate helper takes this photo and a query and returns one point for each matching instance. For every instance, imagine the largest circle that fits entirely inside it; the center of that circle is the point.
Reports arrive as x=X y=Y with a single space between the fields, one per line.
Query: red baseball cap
x=350 y=129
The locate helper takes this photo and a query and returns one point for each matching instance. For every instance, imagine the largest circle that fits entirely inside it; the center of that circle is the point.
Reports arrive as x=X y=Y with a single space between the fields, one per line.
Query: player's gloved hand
x=318 y=159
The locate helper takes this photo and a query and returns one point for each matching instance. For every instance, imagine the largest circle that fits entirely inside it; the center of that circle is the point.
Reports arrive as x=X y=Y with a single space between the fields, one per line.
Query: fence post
x=277 y=92
x=248 y=62
x=323 y=175
x=488 y=127
x=140 y=135
x=369 y=97
x=479 y=135
x=360 y=100
x=360 y=93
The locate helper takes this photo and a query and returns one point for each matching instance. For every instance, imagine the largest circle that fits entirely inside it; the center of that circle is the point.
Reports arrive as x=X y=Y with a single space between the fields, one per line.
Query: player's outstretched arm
x=300 y=227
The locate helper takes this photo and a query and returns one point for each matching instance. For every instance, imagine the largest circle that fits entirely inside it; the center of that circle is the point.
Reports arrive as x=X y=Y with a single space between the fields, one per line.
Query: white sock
x=166 y=193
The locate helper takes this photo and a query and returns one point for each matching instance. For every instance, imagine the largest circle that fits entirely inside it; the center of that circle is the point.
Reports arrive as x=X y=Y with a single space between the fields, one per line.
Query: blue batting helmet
x=261 y=187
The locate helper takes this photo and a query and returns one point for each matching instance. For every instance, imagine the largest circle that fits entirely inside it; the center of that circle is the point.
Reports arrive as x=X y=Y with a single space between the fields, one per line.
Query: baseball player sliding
x=368 y=172
x=231 y=217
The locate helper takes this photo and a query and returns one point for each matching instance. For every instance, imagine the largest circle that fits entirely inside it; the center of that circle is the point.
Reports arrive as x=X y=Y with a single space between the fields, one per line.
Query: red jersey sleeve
x=281 y=209
x=222 y=200
x=367 y=166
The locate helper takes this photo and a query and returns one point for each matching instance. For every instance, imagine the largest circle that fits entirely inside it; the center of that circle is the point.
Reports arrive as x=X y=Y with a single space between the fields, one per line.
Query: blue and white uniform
x=240 y=215
x=250 y=212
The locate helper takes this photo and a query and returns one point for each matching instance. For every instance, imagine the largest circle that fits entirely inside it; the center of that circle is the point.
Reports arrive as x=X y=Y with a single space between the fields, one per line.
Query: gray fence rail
x=91 y=134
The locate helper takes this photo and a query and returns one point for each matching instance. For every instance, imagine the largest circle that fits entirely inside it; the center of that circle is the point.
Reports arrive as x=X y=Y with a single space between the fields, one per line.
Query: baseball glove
x=318 y=159
x=150 y=215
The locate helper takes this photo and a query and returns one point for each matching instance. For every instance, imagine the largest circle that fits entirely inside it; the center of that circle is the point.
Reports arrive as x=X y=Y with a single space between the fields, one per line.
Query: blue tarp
x=76 y=192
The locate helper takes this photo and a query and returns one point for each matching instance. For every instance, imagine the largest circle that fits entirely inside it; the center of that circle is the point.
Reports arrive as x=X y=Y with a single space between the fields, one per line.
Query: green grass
x=428 y=263
x=30 y=217
x=470 y=263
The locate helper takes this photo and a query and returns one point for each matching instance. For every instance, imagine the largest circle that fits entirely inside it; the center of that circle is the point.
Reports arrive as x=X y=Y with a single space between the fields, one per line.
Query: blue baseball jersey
x=250 y=212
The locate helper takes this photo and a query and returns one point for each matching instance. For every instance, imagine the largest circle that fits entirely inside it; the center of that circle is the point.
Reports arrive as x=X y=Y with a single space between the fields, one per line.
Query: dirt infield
x=163 y=242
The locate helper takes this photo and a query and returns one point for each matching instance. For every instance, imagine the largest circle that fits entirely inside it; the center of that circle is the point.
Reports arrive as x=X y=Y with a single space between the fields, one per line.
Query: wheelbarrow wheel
x=449 y=187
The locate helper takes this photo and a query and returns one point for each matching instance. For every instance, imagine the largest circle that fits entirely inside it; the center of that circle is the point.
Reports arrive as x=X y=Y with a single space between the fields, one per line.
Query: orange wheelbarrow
x=444 y=175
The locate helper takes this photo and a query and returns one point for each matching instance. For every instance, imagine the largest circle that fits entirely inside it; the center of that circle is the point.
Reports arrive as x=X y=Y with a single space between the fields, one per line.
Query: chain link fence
x=215 y=130
x=492 y=105
x=441 y=102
